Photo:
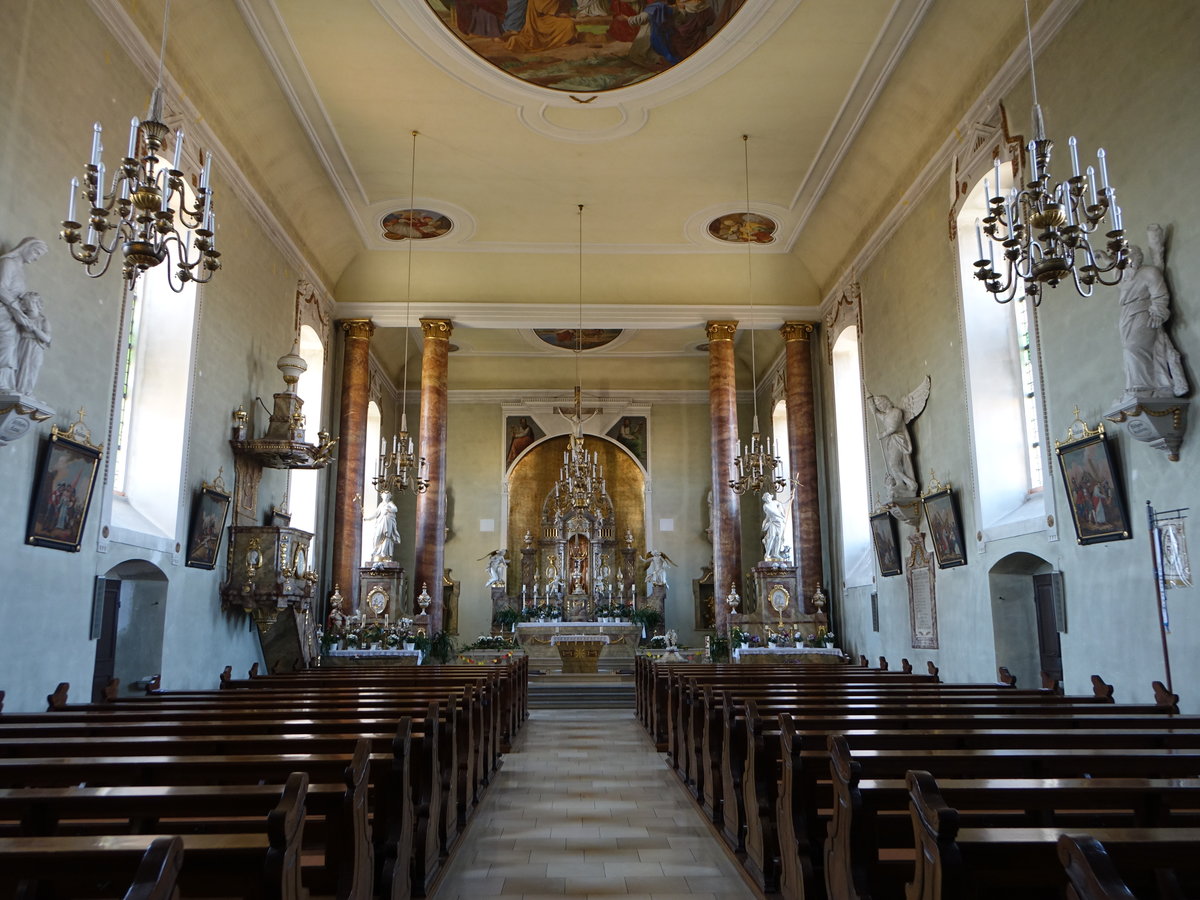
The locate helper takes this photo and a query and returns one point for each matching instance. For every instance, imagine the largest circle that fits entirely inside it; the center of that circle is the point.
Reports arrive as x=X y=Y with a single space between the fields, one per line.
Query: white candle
x=1091 y=175
x=178 y=149
x=133 y=127
x=996 y=170
x=71 y=200
x=1103 y=157
x=204 y=176
x=978 y=241
x=96 y=144
x=166 y=192
x=1117 y=223
x=1074 y=156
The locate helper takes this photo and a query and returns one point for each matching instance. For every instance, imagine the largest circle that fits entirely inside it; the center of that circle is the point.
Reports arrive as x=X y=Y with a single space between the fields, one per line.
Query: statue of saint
x=656 y=569
x=892 y=423
x=21 y=319
x=776 y=547
x=497 y=568
x=1153 y=368
x=386 y=535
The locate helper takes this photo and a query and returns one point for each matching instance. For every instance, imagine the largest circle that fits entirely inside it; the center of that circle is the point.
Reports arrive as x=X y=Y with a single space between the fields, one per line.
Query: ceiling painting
x=584 y=45
x=743 y=228
x=571 y=339
x=414 y=224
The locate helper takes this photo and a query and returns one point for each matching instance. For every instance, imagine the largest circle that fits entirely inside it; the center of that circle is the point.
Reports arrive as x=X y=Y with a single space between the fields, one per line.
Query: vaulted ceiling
x=842 y=100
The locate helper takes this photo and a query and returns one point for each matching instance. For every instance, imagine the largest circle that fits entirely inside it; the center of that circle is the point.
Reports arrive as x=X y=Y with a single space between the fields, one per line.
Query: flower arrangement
x=603 y=611
x=491 y=642
x=658 y=642
x=623 y=610
x=824 y=636
x=507 y=617
x=738 y=638
x=780 y=638
x=544 y=611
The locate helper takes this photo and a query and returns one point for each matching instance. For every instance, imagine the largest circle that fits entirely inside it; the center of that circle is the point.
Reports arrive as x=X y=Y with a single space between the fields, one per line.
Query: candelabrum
x=400 y=469
x=136 y=213
x=755 y=468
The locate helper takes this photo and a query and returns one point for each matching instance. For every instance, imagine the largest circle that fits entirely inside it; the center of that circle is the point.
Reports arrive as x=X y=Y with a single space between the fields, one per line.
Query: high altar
x=536 y=638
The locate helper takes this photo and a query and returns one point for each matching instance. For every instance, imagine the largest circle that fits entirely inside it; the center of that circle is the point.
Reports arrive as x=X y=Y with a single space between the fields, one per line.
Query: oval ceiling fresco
x=584 y=45
x=414 y=224
x=572 y=339
x=743 y=228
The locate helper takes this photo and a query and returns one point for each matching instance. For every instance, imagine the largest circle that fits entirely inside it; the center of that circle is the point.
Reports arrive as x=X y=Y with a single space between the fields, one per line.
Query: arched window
x=852 y=460
x=370 y=495
x=153 y=406
x=1004 y=392
x=779 y=430
x=303 y=502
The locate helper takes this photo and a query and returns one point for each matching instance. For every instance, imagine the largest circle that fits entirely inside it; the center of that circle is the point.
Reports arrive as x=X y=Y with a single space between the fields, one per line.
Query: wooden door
x=1049 y=643
x=106 y=645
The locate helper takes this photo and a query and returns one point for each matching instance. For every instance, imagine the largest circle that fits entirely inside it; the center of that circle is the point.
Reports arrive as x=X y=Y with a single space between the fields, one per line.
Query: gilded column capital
x=720 y=331
x=796 y=331
x=436 y=329
x=358 y=329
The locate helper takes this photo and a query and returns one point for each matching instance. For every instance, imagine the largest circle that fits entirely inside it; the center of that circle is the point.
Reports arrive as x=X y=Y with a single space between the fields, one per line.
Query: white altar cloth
x=567 y=638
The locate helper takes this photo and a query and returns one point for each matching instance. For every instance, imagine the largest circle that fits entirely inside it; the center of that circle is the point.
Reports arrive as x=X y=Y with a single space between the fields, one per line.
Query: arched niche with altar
x=576 y=558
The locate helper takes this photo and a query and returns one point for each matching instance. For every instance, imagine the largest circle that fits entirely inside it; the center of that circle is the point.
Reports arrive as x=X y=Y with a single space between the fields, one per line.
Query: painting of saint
x=584 y=45
x=522 y=432
x=414 y=224
x=630 y=433
x=62 y=495
x=1097 y=506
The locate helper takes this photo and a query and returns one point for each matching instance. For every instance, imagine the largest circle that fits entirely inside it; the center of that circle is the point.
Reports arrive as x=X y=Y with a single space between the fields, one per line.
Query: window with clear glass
x=370 y=496
x=853 y=488
x=304 y=496
x=1003 y=385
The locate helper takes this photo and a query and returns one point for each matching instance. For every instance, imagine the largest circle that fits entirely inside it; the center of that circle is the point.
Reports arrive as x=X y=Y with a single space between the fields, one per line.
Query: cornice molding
x=513 y=401
x=392 y=314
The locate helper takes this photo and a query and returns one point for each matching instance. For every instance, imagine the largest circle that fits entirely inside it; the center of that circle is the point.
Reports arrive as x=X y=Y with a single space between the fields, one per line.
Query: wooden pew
x=344 y=840
x=158 y=871
x=952 y=861
x=869 y=847
x=263 y=864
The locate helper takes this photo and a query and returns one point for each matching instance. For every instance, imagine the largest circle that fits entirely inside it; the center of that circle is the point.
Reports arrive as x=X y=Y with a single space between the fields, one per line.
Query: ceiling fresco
x=414 y=224
x=584 y=45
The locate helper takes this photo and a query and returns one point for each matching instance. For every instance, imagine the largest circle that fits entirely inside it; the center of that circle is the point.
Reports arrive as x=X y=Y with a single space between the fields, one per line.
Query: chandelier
x=135 y=214
x=400 y=469
x=755 y=468
x=581 y=485
x=1044 y=228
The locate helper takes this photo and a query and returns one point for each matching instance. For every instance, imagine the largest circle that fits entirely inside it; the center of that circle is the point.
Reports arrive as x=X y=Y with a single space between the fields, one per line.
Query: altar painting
x=584 y=45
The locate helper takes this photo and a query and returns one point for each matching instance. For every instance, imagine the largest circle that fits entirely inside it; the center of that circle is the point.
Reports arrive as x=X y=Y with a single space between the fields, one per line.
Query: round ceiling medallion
x=585 y=46
x=743 y=228
x=414 y=224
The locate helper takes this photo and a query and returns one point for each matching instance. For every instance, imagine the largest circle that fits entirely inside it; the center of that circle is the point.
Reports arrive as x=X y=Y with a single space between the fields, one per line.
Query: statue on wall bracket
x=24 y=337
x=1151 y=407
x=891 y=422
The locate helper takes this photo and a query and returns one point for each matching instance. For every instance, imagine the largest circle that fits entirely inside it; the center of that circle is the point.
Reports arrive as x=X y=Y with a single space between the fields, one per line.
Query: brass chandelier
x=1044 y=228
x=581 y=484
x=400 y=469
x=135 y=214
x=756 y=468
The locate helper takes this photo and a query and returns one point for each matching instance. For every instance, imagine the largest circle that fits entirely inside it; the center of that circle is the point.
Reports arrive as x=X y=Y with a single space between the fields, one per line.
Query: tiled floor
x=585 y=807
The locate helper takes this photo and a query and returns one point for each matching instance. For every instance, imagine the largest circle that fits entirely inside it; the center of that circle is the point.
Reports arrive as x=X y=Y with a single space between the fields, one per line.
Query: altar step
x=599 y=694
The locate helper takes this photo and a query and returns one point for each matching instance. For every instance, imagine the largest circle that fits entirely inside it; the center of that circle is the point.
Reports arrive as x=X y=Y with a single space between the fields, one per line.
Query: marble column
x=802 y=455
x=351 y=457
x=727 y=529
x=431 y=506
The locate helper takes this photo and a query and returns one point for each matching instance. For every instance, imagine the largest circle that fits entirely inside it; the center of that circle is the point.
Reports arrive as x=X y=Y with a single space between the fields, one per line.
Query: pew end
x=1006 y=677
x=1050 y=683
x=58 y=700
x=1164 y=699
x=905 y=666
x=158 y=872
x=1089 y=869
x=1101 y=689
x=883 y=664
x=933 y=670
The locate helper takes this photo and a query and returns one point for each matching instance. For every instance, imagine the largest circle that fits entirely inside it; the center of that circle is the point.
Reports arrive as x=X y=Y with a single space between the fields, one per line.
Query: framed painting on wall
x=1093 y=490
x=208 y=524
x=945 y=527
x=887 y=543
x=63 y=491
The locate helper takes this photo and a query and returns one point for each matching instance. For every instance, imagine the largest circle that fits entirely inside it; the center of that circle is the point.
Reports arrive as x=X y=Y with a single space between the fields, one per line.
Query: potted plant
x=648 y=617
x=507 y=617
x=441 y=647
x=719 y=649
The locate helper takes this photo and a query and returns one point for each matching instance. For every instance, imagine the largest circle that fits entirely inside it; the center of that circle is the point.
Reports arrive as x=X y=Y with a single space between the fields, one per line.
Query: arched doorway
x=1025 y=617
x=132 y=615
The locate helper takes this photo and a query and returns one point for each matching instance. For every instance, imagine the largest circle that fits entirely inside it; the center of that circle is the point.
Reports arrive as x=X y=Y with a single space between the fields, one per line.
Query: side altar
x=535 y=639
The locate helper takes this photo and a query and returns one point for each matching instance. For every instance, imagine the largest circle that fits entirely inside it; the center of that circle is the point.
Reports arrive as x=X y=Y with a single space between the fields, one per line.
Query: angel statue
x=656 y=569
x=892 y=422
x=497 y=568
x=1153 y=368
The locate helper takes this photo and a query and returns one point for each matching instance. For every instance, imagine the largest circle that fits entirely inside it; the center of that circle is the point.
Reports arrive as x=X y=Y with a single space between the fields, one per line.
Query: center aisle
x=585 y=807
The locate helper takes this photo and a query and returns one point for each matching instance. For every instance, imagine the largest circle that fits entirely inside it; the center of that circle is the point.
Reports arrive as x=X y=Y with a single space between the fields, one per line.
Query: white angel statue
x=892 y=423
